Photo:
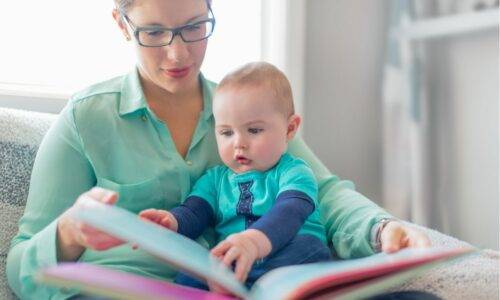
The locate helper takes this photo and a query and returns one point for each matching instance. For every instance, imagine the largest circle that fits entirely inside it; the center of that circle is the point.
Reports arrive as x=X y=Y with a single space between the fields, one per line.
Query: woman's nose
x=177 y=50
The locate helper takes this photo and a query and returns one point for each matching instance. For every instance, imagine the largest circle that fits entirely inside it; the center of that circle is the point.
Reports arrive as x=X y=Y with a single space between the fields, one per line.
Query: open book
x=342 y=279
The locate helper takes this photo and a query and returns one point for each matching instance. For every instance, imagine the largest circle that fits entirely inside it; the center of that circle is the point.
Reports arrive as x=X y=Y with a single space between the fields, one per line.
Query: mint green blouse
x=108 y=136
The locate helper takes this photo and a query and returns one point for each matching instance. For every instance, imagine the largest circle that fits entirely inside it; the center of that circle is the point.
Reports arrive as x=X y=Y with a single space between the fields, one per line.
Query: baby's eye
x=254 y=130
x=226 y=132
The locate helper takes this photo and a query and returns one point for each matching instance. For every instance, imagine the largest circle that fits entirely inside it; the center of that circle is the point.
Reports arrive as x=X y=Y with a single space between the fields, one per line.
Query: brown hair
x=263 y=75
x=123 y=5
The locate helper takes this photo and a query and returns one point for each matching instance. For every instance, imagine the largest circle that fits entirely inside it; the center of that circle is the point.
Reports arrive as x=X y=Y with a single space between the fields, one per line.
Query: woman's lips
x=177 y=72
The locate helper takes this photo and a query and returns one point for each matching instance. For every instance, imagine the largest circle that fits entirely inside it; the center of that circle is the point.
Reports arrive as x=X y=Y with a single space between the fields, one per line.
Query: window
x=68 y=45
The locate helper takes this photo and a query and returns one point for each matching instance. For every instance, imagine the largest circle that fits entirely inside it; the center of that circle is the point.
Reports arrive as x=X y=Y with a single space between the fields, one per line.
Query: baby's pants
x=302 y=249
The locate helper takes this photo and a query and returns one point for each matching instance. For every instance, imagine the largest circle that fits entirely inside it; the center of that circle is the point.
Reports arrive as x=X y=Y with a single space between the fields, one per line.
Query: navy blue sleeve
x=282 y=222
x=193 y=217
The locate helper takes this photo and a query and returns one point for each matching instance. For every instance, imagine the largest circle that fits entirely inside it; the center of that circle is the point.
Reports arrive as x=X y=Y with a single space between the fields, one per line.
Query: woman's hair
x=262 y=75
x=123 y=5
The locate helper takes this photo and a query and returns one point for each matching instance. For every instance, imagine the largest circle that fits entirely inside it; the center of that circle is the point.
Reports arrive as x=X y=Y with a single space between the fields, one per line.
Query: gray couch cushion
x=20 y=135
x=472 y=277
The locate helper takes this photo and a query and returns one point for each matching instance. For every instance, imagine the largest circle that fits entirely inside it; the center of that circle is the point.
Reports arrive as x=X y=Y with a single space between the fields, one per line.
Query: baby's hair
x=263 y=75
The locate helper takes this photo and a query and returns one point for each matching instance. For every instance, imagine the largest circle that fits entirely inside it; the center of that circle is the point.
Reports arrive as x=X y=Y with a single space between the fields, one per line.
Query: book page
x=175 y=249
x=300 y=281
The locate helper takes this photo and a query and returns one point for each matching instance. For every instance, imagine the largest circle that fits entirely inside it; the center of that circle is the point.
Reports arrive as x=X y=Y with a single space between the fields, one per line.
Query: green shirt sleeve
x=60 y=173
x=347 y=215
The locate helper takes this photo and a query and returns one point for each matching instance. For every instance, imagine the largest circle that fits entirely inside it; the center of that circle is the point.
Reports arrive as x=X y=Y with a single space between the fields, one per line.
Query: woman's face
x=175 y=67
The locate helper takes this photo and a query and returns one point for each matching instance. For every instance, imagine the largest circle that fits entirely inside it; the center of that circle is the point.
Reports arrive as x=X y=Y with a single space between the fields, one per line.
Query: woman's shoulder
x=208 y=84
x=97 y=90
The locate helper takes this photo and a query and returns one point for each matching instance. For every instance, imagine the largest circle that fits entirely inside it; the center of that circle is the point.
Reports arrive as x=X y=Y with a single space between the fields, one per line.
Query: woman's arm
x=347 y=215
x=60 y=173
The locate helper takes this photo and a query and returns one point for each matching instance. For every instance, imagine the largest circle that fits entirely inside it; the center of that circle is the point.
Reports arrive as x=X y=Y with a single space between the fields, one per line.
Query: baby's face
x=251 y=132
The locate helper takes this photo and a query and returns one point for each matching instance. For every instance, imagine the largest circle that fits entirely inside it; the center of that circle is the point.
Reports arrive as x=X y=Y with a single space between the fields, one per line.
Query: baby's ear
x=293 y=126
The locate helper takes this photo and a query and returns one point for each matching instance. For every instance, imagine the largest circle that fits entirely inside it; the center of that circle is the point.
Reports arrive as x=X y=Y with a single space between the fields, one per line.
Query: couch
x=474 y=277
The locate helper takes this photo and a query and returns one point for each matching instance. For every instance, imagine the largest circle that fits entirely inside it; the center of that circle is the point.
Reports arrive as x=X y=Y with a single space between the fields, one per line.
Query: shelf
x=450 y=25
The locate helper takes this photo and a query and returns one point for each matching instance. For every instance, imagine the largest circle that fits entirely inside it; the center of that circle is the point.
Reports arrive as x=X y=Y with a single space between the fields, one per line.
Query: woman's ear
x=293 y=126
x=121 y=24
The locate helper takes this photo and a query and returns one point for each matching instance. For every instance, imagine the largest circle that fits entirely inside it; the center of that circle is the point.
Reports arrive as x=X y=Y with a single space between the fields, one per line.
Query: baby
x=263 y=201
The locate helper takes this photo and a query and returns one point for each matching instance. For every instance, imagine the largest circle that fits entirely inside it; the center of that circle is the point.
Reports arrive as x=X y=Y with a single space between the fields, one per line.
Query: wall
x=343 y=57
x=465 y=112
x=342 y=108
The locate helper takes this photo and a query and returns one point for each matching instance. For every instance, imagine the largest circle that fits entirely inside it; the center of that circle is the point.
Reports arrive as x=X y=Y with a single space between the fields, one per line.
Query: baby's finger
x=231 y=255
x=217 y=288
x=166 y=221
x=221 y=248
x=242 y=268
x=151 y=214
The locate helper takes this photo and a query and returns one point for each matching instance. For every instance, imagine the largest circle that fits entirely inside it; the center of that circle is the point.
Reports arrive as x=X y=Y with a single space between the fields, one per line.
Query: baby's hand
x=238 y=248
x=396 y=236
x=160 y=217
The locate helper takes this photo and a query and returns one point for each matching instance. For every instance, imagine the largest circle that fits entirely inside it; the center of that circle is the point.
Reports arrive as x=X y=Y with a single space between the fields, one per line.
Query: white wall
x=465 y=112
x=343 y=57
x=342 y=105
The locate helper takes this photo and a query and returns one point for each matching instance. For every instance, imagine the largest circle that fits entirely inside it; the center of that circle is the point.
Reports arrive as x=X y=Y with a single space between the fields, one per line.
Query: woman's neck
x=157 y=96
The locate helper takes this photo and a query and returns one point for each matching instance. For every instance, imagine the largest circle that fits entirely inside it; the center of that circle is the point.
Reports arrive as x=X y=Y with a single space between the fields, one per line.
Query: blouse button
x=189 y=163
x=144 y=118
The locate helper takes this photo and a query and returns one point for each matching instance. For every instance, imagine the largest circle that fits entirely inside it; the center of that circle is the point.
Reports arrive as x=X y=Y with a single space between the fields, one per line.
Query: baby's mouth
x=242 y=160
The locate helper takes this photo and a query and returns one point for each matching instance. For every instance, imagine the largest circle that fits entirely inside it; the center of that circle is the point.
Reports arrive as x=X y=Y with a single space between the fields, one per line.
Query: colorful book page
x=177 y=250
x=300 y=281
x=101 y=281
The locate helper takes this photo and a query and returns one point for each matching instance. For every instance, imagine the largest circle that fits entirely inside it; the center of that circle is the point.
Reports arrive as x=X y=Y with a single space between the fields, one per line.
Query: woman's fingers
x=95 y=239
x=392 y=237
x=103 y=195
x=417 y=239
x=396 y=236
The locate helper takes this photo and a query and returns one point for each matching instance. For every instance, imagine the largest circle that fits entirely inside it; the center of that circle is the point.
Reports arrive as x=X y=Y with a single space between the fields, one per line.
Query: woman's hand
x=396 y=236
x=73 y=236
x=160 y=217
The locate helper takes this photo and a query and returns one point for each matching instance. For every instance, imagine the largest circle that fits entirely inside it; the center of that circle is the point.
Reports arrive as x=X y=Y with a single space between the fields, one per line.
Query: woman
x=147 y=136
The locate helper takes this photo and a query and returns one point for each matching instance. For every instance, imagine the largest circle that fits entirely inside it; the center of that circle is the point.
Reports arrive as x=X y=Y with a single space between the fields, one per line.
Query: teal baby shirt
x=238 y=200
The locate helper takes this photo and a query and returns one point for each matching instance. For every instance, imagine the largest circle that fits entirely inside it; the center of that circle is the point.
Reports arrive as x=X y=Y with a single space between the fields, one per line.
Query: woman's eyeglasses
x=157 y=36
